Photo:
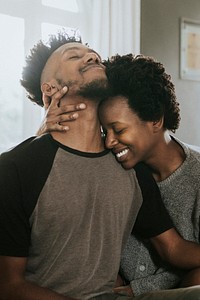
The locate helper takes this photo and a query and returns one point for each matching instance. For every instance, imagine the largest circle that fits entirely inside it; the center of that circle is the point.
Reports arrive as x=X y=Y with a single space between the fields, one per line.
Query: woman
x=137 y=119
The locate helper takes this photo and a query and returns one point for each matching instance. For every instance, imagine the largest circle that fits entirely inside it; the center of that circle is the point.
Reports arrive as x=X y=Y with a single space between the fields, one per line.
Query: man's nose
x=92 y=57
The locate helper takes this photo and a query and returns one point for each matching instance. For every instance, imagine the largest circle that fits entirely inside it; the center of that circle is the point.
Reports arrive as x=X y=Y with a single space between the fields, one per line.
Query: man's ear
x=49 y=88
x=158 y=125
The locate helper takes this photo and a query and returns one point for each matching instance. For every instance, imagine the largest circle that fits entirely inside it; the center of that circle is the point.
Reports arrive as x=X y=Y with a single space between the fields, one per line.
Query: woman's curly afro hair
x=146 y=85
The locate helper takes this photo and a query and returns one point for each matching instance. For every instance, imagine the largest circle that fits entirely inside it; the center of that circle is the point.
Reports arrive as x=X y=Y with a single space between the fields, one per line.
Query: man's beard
x=97 y=90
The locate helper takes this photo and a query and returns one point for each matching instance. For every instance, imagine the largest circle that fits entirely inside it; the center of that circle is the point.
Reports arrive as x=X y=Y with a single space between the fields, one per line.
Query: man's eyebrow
x=77 y=48
x=72 y=48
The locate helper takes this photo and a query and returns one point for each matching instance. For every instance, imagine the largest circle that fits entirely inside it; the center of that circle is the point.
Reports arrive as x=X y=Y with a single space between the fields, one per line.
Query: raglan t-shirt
x=69 y=212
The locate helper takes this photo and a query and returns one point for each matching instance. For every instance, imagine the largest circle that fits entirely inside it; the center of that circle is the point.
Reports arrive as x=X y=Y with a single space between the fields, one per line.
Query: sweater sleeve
x=164 y=280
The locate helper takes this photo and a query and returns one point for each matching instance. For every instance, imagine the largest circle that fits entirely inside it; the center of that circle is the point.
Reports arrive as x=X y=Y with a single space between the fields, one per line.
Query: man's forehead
x=74 y=46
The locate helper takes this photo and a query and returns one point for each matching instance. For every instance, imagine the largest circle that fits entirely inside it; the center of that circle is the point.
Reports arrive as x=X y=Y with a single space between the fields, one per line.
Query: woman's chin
x=127 y=165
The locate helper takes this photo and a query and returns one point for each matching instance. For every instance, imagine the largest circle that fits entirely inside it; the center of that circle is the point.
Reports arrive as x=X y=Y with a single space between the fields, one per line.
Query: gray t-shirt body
x=81 y=207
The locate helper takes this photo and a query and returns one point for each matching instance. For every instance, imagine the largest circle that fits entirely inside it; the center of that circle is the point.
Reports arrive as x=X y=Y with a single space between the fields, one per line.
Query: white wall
x=108 y=26
x=19 y=117
x=160 y=37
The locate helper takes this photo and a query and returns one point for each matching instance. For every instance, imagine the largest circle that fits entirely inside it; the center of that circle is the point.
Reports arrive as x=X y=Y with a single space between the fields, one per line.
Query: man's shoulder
x=28 y=149
x=15 y=149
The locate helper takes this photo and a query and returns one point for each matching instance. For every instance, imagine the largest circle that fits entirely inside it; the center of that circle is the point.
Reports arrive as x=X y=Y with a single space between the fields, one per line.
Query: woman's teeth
x=121 y=153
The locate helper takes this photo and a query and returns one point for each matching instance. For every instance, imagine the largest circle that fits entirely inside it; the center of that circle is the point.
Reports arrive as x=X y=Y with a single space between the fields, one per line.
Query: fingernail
x=75 y=115
x=82 y=105
x=65 y=88
x=66 y=128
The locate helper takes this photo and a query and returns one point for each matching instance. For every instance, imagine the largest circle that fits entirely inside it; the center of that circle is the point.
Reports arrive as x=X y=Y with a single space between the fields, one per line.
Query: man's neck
x=84 y=133
x=76 y=138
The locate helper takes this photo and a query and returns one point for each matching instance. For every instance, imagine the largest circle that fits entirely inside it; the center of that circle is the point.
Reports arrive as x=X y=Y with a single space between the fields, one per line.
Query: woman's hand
x=125 y=290
x=56 y=115
x=122 y=289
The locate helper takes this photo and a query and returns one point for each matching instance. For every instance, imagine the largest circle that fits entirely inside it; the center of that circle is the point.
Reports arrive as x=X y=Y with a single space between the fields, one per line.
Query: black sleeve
x=23 y=172
x=153 y=218
x=14 y=227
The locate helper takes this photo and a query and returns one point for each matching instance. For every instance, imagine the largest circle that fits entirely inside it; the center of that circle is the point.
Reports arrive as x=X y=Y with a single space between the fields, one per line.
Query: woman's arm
x=177 y=251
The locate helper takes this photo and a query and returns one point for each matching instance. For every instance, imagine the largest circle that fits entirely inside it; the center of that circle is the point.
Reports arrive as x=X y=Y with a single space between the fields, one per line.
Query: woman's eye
x=118 y=131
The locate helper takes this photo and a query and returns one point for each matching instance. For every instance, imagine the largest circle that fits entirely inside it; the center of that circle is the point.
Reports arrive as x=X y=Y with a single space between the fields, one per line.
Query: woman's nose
x=110 y=141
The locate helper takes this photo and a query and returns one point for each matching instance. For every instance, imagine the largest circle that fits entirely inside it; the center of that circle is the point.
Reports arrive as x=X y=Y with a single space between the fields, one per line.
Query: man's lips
x=93 y=66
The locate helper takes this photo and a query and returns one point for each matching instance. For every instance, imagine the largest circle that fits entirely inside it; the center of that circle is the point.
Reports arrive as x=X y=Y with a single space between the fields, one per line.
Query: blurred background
x=168 y=30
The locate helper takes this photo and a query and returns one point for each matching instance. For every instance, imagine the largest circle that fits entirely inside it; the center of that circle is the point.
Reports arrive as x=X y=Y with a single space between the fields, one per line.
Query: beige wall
x=160 y=38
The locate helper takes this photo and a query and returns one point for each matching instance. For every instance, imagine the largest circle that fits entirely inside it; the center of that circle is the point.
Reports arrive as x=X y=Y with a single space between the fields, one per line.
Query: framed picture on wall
x=190 y=49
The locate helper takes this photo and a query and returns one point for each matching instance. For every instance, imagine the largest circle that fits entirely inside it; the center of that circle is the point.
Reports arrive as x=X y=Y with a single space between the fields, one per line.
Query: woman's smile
x=122 y=154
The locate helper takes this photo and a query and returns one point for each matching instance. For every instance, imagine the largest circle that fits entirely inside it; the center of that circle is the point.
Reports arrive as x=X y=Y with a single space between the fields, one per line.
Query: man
x=66 y=206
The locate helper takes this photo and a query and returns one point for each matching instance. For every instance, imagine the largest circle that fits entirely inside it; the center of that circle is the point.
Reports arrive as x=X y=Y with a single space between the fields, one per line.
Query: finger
x=72 y=108
x=121 y=291
x=52 y=119
x=118 y=289
x=46 y=100
x=67 y=117
x=57 y=127
x=64 y=113
x=68 y=110
x=53 y=102
x=55 y=99
x=125 y=290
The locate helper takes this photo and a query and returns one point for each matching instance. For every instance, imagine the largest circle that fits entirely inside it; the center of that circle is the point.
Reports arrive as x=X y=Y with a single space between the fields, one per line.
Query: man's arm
x=13 y=285
x=15 y=230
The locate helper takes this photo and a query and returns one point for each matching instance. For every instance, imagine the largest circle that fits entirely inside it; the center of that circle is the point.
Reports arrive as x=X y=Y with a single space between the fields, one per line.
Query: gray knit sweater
x=181 y=194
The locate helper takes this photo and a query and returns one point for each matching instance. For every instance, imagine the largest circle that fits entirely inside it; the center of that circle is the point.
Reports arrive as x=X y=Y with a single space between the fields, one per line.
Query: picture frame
x=189 y=49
